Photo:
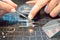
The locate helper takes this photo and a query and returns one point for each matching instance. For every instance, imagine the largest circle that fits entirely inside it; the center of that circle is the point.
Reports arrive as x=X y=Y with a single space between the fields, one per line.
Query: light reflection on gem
x=30 y=30
x=57 y=29
x=4 y=36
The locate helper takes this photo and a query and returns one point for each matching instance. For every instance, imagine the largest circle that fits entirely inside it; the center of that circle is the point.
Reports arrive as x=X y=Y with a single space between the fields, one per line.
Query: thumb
x=30 y=2
x=6 y=6
x=11 y=3
x=2 y=12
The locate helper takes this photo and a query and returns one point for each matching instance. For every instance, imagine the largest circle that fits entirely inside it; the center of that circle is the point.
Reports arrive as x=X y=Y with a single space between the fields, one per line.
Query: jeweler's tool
x=20 y=14
x=30 y=21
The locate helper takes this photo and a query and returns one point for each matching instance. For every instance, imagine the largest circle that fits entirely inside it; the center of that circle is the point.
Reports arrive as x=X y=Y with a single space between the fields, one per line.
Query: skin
x=6 y=6
x=31 y=2
x=52 y=7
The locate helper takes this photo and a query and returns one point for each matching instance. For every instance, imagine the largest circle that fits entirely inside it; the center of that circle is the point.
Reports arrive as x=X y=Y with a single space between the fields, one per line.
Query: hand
x=31 y=2
x=6 y=6
x=52 y=7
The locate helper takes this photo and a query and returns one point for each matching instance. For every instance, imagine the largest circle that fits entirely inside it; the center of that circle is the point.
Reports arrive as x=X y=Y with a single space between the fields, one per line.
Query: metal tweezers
x=30 y=21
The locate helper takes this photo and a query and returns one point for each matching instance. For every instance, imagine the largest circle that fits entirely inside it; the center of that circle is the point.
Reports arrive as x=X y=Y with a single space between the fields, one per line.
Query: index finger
x=6 y=6
x=37 y=7
x=10 y=3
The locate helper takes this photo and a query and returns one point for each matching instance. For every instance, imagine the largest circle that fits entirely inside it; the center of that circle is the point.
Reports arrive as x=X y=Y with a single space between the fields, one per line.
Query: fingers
x=6 y=6
x=2 y=12
x=37 y=7
x=30 y=2
x=11 y=3
x=55 y=11
x=50 y=6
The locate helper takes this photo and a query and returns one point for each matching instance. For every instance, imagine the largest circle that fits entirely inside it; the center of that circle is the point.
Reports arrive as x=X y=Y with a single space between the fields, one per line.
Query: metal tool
x=31 y=22
x=22 y=15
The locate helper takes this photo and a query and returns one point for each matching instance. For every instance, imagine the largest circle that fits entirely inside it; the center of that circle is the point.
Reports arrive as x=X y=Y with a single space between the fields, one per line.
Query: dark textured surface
x=24 y=34
x=37 y=34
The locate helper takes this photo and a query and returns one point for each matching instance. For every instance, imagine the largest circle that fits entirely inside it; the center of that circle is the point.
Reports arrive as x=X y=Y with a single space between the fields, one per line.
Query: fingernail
x=27 y=2
x=46 y=9
x=30 y=16
x=13 y=10
x=1 y=13
x=52 y=15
